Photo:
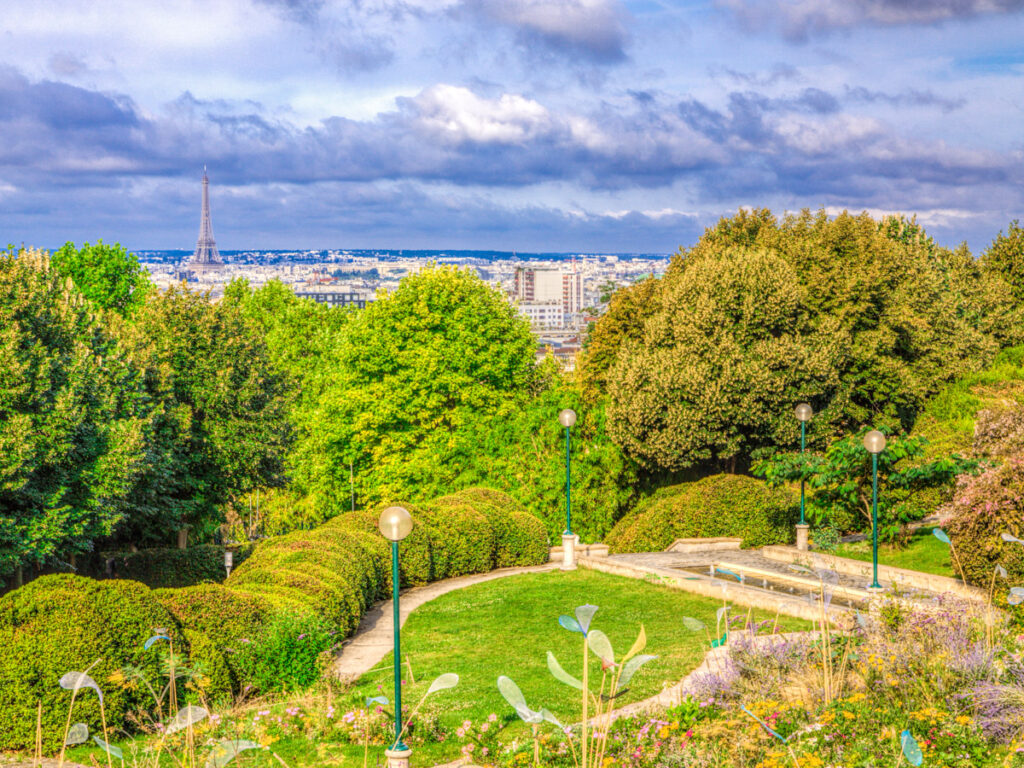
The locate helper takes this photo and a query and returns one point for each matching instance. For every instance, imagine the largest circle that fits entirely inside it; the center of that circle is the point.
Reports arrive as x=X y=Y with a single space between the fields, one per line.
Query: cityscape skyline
x=521 y=125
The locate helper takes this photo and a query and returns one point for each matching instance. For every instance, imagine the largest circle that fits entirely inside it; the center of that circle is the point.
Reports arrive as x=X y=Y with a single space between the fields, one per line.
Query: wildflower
x=467 y=724
x=484 y=751
x=460 y=732
x=330 y=712
x=492 y=718
x=244 y=640
x=302 y=636
x=263 y=712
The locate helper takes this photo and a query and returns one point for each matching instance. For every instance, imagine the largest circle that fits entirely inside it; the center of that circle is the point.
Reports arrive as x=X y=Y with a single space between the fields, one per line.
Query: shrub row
x=267 y=625
x=157 y=568
x=719 y=505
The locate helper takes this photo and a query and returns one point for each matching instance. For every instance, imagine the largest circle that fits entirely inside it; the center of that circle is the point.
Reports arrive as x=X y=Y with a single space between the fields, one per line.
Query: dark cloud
x=593 y=29
x=66 y=64
x=64 y=144
x=907 y=98
x=800 y=20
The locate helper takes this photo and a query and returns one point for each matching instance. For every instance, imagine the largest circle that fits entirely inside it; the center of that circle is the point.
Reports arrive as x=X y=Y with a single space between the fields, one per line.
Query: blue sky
x=592 y=125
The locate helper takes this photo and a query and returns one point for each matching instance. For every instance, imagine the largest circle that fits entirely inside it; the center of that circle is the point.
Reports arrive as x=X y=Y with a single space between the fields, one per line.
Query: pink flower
x=484 y=751
x=492 y=718
x=467 y=724
x=484 y=727
x=460 y=732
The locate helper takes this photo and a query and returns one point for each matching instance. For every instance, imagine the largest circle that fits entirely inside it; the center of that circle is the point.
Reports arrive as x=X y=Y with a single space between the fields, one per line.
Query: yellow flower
x=849 y=715
x=964 y=720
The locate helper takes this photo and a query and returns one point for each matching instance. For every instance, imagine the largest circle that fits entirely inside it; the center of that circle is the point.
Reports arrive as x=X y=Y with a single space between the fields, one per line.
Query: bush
x=462 y=539
x=520 y=537
x=720 y=505
x=416 y=561
x=289 y=654
x=207 y=659
x=158 y=568
x=983 y=508
x=63 y=623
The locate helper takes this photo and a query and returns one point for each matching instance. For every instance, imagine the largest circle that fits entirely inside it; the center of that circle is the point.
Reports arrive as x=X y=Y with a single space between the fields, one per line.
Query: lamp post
x=229 y=560
x=395 y=524
x=803 y=412
x=567 y=418
x=874 y=441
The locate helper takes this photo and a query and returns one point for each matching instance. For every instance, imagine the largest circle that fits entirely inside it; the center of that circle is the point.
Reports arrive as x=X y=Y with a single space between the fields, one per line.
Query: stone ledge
x=582 y=550
x=703 y=545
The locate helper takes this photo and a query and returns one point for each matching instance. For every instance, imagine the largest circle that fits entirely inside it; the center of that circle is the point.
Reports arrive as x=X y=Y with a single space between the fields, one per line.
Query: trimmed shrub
x=206 y=658
x=719 y=505
x=164 y=568
x=64 y=623
x=983 y=508
x=416 y=562
x=462 y=539
x=520 y=537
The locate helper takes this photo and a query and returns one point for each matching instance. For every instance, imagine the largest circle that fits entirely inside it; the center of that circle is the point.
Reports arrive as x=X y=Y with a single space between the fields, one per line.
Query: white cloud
x=456 y=114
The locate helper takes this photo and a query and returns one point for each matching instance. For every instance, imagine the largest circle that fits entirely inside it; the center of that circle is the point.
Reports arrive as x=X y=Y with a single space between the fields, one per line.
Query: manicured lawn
x=924 y=553
x=500 y=627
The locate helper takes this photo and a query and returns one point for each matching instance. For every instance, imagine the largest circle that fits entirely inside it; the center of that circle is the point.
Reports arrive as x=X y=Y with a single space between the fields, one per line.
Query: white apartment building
x=544 y=292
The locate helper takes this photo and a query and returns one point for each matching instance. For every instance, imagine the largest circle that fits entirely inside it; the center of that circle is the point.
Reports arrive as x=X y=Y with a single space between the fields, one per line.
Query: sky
x=527 y=125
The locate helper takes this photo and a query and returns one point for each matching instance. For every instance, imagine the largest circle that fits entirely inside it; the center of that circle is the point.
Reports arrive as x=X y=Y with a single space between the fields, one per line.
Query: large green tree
x=220 y=428
x=731 y=348
x=107 y=275
x=72 y=417
x=1005 y=257
x=410 y=374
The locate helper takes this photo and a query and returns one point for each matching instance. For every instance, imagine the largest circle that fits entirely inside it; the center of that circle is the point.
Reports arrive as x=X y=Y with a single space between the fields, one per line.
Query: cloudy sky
x=592 y=125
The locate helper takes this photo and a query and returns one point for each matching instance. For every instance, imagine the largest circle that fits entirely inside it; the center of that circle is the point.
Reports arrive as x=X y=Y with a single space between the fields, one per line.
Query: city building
x=537 y=289
x=336 y=298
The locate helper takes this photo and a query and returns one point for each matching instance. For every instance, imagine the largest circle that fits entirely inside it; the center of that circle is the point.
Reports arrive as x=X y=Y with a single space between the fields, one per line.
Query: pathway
x=374 y=638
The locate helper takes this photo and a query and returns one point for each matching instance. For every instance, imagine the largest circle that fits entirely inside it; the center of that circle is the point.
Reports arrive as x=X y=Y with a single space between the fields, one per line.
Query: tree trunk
x=183 y=538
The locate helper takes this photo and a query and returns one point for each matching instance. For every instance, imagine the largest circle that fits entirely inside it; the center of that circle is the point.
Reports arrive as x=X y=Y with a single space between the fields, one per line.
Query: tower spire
x=206 y=257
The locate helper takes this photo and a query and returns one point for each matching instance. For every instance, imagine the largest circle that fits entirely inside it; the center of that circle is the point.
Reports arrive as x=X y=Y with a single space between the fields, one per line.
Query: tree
x=409 y=376
x=1005 y=257
x=840 y=481
x=107 y=275
x=220 y=428
x=72 y=417
x=721 y=362
x=621 y=325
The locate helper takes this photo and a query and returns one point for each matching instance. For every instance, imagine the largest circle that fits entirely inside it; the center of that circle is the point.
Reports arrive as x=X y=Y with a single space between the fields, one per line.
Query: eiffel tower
x=206 y=257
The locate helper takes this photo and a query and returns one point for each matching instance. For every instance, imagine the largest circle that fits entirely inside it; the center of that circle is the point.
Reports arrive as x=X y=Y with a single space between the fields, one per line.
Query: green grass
x=504 y=626
x=924 y=553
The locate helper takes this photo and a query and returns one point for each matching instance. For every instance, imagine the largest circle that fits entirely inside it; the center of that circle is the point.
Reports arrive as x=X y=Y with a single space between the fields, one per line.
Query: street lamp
x=395 y=524
x=229 y=560
x=803 y=414
x=874 y=441
x=567 y=418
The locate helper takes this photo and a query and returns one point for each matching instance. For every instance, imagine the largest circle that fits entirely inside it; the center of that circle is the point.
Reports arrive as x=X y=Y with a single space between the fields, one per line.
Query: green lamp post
x=567 y=418
x=395 y=524
x=804 y=412
x=874 y=441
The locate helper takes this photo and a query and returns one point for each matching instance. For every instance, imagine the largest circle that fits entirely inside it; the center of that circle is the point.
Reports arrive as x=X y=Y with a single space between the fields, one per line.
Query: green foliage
x=1005 y=258
x=524 y=455
x=840 y=481
x=719 y=505
x=158 y=568
x=107 y=275
x=59 y=624
x=622 y=325
x=984 y=508
x=405 y=378
x=72 y=418
x=221 y=427
x=721 y=363
x=519 y=536
x=208 y=661
x=290 y=653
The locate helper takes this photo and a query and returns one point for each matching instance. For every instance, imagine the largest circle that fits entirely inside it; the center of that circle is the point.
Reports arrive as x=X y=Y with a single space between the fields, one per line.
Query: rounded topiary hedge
x=330 y=574
x=64 y=623
x=160 y=568
x=719 y=505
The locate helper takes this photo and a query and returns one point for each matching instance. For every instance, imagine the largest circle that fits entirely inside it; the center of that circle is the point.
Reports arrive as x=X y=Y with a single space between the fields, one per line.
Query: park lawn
x=506 y=626
x=499 y=627
x=924 y=553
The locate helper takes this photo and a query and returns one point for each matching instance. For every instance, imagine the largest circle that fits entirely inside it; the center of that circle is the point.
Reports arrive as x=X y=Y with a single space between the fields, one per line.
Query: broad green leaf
x=692 y=624
x=190 y=715
x=225 y=751
x=601 y=645
x=109 y=748
x=560 y=674
x=720 y=641
x=443 y=682
x=77 y=734
x=630 y=667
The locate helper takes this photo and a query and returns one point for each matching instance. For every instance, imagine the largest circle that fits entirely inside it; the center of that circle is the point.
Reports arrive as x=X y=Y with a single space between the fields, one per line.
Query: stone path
x=373 y=639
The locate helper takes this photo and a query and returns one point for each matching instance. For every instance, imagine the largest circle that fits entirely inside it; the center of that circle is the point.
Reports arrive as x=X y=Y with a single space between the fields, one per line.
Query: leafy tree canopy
x=1005 y=258
x=72 y=417
x=107 y=275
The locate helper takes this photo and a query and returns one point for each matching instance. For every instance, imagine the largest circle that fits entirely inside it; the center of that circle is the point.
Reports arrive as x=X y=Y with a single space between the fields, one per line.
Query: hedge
x=63 y=623
x=159 y=568
x=330 y=574
x=719 y=505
